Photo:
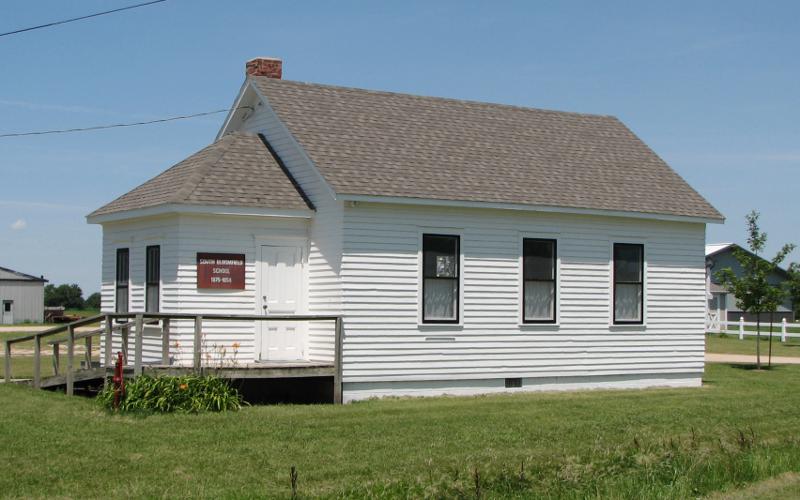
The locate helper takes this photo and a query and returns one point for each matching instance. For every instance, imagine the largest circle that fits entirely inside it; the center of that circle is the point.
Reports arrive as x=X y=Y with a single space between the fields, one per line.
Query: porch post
x=108 y=342
x=337 y=363
x=7 y=360
x=198 y=340
x=70 y=354
x=37 y=362
x=139 y=346
x=165 y=342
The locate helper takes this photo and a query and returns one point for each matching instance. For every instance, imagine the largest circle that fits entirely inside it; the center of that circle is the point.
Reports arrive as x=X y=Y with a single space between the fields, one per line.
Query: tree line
x=69 y=297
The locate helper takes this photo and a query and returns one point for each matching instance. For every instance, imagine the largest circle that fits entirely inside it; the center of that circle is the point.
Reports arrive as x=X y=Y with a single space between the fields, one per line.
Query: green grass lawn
x=740 y=428
x=732 y=345
x=83 y=313
x=22 y=366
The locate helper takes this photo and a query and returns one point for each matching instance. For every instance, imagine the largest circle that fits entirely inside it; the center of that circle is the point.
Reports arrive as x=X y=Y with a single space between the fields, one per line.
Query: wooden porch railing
x=140 y=320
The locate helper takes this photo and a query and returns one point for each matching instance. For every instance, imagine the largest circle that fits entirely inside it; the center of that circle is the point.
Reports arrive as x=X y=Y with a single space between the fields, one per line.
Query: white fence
x=782 y=329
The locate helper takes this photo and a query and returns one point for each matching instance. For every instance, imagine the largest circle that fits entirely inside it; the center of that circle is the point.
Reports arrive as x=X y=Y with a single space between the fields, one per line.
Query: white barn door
x=7 y=312
x=281 y=278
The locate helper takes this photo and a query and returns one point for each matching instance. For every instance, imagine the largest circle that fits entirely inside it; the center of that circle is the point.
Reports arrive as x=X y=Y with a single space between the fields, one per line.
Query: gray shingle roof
x=238 y=170
x=387 y=144
x=11 y=275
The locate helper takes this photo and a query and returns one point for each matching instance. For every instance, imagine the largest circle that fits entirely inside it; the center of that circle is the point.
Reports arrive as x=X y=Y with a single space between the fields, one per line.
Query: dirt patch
x=786 y=485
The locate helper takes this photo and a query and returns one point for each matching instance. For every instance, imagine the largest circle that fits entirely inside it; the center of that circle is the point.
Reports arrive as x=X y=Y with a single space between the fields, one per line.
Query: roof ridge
x=437 y=98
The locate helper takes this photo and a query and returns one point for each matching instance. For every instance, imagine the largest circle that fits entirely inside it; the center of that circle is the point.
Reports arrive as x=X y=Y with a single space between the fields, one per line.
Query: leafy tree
x=49 y=295
x=754 y=294
x=93 y=301
x=68 y=296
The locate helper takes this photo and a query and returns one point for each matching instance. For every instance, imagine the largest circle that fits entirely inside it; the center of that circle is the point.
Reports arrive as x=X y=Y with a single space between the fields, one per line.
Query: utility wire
x=119 y=125
x=65 y=21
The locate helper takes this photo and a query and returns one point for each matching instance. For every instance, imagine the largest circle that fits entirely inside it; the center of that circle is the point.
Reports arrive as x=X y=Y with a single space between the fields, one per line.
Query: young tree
x=775 y=296
x=752 y=289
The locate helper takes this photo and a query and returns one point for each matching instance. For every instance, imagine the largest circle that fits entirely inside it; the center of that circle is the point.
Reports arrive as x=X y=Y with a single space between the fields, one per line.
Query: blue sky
x=712 y=87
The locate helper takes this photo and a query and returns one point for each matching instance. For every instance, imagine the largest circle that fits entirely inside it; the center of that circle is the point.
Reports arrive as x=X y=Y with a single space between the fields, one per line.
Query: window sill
x=627 y=327
x=440 y=326
x=539 y=326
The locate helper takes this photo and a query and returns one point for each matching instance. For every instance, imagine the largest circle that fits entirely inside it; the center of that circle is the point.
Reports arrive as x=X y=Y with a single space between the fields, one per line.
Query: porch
x=139 y=330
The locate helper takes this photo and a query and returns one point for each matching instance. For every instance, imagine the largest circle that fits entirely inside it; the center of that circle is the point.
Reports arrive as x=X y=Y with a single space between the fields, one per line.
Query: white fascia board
x=296 y=144
x=237 y=103
x=197 y=209
x=526 y=208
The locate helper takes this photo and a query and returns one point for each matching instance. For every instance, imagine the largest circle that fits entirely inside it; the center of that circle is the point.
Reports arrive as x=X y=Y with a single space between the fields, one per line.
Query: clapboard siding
x=225 y=234
x=181 y=238
x=28 y=298
x=381 y=287
x=325 y=231
x=136 y=236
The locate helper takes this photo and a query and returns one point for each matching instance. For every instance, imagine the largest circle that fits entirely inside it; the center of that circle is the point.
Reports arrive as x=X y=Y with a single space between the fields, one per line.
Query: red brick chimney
x=264 y=66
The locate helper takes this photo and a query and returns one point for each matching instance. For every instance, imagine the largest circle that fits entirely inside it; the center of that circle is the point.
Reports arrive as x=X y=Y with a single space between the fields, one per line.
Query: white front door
x=8 y=312
x=281 y=284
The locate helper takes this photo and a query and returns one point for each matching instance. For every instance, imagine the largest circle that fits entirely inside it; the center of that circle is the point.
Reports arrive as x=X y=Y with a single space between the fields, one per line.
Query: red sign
x=220 y=270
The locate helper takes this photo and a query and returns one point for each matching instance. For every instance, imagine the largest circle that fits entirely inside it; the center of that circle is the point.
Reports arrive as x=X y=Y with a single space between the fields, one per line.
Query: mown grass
x=22 y=366
x=731 y=344
x=741 y=427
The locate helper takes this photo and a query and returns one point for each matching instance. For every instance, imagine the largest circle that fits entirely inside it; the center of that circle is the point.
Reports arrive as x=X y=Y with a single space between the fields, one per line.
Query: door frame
x=3 y=311
x=302 y=305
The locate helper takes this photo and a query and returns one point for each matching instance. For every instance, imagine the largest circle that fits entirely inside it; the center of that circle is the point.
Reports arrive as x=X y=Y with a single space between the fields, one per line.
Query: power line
x=119 y=125
x=65 y=21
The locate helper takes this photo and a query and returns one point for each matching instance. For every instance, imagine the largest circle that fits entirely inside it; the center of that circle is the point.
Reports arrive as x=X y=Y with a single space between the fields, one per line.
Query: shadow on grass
x=754 y=367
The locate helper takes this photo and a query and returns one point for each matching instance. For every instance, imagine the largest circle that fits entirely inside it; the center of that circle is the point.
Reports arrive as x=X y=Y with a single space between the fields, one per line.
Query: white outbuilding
x=468 y=247
x=21 y=297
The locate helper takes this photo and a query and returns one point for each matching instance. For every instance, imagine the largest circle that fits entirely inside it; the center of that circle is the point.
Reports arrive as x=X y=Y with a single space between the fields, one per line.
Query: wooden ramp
x=110 y=327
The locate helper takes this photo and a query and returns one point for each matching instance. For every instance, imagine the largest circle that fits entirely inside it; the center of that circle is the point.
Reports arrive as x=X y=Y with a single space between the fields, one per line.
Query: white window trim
x=627 y=326
x=126 y=246
x=453 y=231
x=160 y=244
x=522 y=236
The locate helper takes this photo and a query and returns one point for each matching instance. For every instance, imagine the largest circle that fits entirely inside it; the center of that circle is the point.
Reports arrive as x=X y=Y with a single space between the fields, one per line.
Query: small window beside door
x=539 y=280
x=122 y=277
x=152 y=278
x=628 y=283
x=440 y=278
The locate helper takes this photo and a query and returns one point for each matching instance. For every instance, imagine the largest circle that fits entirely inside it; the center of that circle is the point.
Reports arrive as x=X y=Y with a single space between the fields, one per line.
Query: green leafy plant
x=185 y=394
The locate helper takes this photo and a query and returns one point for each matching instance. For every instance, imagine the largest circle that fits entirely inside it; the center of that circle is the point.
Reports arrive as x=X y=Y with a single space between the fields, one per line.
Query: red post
x=119 y=381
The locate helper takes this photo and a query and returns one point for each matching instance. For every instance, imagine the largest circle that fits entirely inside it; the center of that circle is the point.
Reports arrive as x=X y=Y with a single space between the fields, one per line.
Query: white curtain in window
x=539 y=300
x=440 y=299
x=151 y=300
x=628 y=302
x=122 y=300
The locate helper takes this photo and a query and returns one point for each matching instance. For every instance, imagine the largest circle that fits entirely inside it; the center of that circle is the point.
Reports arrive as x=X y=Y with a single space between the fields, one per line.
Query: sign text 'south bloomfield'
x=220 y=270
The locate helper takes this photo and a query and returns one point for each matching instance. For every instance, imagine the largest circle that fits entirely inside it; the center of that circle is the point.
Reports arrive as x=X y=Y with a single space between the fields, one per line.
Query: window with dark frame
x=539 y=294
x=122 y=276
x=152 y=278
x=628 y=283
x=440 y=278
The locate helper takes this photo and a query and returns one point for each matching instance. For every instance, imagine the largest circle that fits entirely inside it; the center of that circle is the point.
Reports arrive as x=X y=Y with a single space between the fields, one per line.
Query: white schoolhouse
x=469 y=247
